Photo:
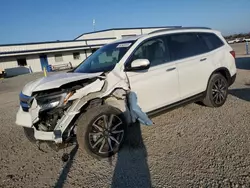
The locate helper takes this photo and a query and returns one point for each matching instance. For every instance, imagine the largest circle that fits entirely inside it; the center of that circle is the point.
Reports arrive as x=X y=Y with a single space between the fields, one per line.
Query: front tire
x=217 y=91
x=101 y=131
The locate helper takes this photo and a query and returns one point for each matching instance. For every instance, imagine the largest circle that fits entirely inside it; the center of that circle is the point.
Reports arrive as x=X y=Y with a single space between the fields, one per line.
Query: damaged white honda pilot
x=97 y=101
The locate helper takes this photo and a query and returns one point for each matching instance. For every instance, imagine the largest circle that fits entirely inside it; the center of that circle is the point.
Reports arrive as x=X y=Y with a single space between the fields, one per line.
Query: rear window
x=212 y=41
x=185 y=45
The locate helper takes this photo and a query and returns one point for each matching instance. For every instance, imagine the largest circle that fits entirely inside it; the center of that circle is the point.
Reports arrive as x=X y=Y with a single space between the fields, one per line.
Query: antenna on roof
x=94 y=24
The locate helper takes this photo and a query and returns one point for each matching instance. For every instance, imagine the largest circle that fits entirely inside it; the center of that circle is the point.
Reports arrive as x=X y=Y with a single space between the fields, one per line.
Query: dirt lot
x=192 y=146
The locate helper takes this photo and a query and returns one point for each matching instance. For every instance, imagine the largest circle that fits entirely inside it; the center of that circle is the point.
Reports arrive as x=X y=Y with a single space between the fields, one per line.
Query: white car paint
x=94 y=87
x=55 y=81
x=202 y=66
x=156 y=87
x=189 y=70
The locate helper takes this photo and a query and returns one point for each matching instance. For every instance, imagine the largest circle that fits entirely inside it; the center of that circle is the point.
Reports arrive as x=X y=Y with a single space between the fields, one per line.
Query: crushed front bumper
x=23 y=118
x=28 y=117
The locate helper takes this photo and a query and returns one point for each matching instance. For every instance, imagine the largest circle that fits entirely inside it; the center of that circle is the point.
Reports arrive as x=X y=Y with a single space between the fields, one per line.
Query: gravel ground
x=192 y=146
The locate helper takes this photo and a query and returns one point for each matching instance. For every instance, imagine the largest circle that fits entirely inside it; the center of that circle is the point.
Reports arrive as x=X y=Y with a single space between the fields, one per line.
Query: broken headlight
x=47 y=102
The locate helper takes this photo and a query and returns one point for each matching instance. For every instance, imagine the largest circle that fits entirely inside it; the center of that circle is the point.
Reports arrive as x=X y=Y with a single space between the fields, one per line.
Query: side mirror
x=139 y=64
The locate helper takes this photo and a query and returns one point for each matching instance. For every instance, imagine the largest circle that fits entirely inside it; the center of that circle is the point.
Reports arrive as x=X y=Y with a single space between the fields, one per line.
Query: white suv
x=96 y=101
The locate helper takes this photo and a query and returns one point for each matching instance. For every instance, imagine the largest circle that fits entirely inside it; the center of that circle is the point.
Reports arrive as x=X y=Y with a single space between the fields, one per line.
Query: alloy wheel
x=219 y=91
x=106 y=134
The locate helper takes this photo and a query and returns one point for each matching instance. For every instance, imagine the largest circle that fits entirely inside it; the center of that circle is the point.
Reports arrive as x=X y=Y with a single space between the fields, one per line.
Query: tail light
x=232 y=53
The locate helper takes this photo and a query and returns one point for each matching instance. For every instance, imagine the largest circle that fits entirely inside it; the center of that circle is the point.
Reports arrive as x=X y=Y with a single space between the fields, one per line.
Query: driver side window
x=154 y=50
x=104 y=58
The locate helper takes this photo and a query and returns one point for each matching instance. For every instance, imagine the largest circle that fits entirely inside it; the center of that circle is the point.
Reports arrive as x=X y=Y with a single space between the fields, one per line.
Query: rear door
x=192 y=60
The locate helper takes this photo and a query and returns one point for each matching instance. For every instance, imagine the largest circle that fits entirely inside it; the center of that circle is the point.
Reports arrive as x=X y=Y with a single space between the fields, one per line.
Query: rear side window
x=185 y=45
x=212 y=41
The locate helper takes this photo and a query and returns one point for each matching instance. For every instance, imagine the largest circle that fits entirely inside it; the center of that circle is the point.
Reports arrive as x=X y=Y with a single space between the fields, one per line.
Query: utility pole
x=247 y=49
x=94 y=24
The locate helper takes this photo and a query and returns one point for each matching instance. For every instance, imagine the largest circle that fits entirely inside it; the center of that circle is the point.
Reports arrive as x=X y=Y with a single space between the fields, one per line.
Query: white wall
x=11 y=62
x=83 y=55
x=39 y=46
x=8 y=62
x=88 y=52
x=108 y=34
x=119 y=33
x=11 y=68
x=102 y=34
x=148 y=30
x=34 y=63
x=67 y=57
x=116 y=33
x=50 y=47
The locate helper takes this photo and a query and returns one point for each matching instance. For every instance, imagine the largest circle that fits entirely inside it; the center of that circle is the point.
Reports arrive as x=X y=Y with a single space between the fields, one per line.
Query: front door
x=158 y=86
x=44 y=62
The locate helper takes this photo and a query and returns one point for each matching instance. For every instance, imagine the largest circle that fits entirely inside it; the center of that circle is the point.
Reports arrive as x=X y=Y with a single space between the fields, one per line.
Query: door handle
x=170 y=69
x=203 y=59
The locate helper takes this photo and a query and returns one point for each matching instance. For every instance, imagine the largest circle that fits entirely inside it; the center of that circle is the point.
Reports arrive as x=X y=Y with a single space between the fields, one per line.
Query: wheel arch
x=207 y=101
x=224 y=72
x=112 y=99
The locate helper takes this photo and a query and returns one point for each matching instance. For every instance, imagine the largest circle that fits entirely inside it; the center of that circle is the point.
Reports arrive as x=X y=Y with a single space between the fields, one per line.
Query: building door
x=44 y=62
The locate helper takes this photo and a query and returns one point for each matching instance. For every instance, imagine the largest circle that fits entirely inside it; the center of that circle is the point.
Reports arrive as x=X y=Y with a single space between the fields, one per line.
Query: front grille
x=25 y=101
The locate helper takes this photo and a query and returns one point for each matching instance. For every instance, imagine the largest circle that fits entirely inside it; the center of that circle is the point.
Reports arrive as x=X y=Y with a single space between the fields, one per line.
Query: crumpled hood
x=55 y=81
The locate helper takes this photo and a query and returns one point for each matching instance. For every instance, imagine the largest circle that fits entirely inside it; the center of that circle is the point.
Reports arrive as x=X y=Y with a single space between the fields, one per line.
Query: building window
x=58 y=58
x=132 y=35
x=21 y=62
x=76 y=55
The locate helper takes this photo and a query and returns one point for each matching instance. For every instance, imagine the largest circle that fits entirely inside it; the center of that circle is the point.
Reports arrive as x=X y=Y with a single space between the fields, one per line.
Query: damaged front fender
x=113 y=89
x=28 y=119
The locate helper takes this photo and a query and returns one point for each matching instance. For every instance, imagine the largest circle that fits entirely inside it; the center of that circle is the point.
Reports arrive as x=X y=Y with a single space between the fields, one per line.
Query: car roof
x=164 y=31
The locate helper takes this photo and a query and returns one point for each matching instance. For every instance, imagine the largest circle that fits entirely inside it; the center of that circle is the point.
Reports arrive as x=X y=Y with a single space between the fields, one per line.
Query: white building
x=33 y=57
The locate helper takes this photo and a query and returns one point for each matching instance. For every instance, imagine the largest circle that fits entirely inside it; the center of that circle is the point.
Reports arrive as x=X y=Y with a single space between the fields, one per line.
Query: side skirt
x=195 y=98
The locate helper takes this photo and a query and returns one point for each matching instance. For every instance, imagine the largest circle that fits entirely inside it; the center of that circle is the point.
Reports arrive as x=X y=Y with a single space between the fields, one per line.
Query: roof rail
x=177 y=28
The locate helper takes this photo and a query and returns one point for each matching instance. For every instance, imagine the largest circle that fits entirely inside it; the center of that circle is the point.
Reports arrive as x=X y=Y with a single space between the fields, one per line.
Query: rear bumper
x=232 y=80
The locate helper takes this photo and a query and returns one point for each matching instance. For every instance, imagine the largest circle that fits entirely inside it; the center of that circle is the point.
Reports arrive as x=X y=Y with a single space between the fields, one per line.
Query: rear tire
x=98 y=135
x=217 y=91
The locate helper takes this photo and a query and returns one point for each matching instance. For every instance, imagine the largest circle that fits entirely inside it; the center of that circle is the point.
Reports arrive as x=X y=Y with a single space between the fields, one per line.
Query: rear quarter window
x=184 y=45
x=211 y=40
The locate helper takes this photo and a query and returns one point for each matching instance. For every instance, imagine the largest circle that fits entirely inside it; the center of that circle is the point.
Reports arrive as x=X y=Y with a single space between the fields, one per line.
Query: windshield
x=105 y=58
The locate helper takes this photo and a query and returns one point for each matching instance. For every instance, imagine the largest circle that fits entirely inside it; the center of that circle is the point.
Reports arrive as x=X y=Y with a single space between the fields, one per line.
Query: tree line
x=240 y=35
